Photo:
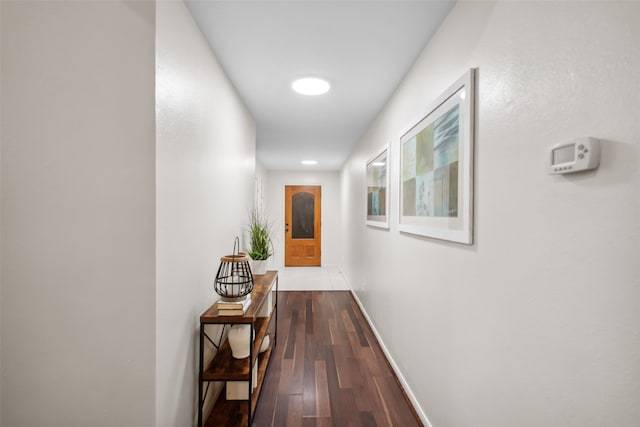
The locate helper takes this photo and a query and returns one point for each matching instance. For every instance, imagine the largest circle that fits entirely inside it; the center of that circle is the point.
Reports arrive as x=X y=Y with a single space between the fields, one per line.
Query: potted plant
x=260 y=241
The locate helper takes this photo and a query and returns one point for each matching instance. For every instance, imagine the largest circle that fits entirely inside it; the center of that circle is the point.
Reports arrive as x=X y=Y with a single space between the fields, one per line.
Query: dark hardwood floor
x=328 y=369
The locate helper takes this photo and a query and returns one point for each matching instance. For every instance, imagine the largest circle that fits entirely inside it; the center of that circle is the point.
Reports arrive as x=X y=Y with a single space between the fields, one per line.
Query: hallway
x=129 y=161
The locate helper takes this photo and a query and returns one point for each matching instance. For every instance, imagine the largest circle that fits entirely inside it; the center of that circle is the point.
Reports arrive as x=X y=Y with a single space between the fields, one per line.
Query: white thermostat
x=576 y=155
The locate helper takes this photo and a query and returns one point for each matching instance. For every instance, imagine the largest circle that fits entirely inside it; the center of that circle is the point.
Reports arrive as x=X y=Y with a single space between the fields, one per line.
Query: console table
x=224 y=367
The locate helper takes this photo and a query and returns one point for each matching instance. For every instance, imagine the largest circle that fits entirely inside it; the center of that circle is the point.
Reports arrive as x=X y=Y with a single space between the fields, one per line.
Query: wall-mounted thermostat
x=576 y=155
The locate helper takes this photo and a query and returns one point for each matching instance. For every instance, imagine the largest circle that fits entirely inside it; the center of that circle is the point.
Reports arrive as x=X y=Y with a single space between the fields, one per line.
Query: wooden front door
x=302 y=225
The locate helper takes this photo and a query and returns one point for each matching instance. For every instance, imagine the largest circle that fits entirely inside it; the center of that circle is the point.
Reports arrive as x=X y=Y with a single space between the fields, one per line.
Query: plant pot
x=259 y=267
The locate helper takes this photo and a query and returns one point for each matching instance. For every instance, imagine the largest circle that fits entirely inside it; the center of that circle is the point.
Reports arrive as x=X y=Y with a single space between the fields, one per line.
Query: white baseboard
x=394 y=366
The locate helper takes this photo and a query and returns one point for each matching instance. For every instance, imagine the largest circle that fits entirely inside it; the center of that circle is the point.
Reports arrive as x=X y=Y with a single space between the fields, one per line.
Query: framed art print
x=377 y=189
x=436 y=167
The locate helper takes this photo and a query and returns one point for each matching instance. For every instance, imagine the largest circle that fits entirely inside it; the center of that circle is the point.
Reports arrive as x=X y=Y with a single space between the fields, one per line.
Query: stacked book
x=233 y=308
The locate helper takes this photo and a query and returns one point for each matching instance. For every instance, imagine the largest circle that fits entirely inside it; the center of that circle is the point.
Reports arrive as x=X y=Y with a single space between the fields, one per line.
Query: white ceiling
x=364 y=49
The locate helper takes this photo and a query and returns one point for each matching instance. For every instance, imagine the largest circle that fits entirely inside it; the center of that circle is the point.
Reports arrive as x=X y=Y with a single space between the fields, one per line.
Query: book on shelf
x=234 y=305
x=234 y=311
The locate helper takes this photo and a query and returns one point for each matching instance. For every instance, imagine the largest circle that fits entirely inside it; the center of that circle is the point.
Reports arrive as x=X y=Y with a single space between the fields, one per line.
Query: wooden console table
x=224 y=367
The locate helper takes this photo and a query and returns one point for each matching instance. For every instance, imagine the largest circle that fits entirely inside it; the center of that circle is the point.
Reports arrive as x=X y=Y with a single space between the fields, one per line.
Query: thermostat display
x=576 y=155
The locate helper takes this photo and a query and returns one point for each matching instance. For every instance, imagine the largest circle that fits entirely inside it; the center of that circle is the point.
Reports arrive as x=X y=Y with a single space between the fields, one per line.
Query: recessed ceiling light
x=309 y=162
x=377 y=164
x=311 y=86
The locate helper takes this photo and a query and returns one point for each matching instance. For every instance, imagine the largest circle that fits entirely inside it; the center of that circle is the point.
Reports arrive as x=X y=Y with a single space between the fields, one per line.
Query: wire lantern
x=234 y=280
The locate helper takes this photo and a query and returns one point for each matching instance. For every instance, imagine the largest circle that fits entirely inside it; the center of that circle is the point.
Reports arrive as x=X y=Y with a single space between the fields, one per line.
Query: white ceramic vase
x=240 y=340
x=259 y=267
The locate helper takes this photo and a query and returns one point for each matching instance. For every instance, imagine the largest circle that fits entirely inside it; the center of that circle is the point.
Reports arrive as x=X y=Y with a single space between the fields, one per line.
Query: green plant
x=259 y=236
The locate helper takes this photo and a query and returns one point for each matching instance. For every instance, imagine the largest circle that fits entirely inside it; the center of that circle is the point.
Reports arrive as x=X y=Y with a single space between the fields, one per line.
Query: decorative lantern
x=234 y=280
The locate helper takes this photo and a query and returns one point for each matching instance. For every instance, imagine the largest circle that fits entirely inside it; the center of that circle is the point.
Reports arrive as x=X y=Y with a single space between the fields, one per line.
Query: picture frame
x=436 y=167
x=377 y=181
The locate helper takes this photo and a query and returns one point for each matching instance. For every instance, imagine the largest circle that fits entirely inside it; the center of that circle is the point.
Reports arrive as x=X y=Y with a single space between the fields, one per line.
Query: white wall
x=331 y=203
x=537 y=322
x=78 y=221
x=260 y=201
x=0 y=218
x=205 y=184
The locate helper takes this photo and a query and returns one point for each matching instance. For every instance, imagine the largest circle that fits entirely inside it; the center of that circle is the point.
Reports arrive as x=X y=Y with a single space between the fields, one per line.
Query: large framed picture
x=377 y=189
x=436 y=167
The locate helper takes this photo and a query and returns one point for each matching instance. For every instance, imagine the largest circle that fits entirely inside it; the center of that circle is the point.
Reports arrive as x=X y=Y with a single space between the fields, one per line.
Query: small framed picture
x=377 y=189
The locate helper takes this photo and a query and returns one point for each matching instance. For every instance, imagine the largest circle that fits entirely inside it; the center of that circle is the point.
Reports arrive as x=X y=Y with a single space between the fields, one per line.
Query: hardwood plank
x=309 y=386
x=284 y=383
x=392 y=401
x=323 y=403
x=308 y=317
x=370 y=358
x=294 y=416
x=282 y=410
x=317 y=422
x=343 y=408
x=334 y=335
x=367 y=396
x=366 y=418
x=296 y=381
x=342 y=402
x=324 y=422
x=357 y=322
x=291 y=337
